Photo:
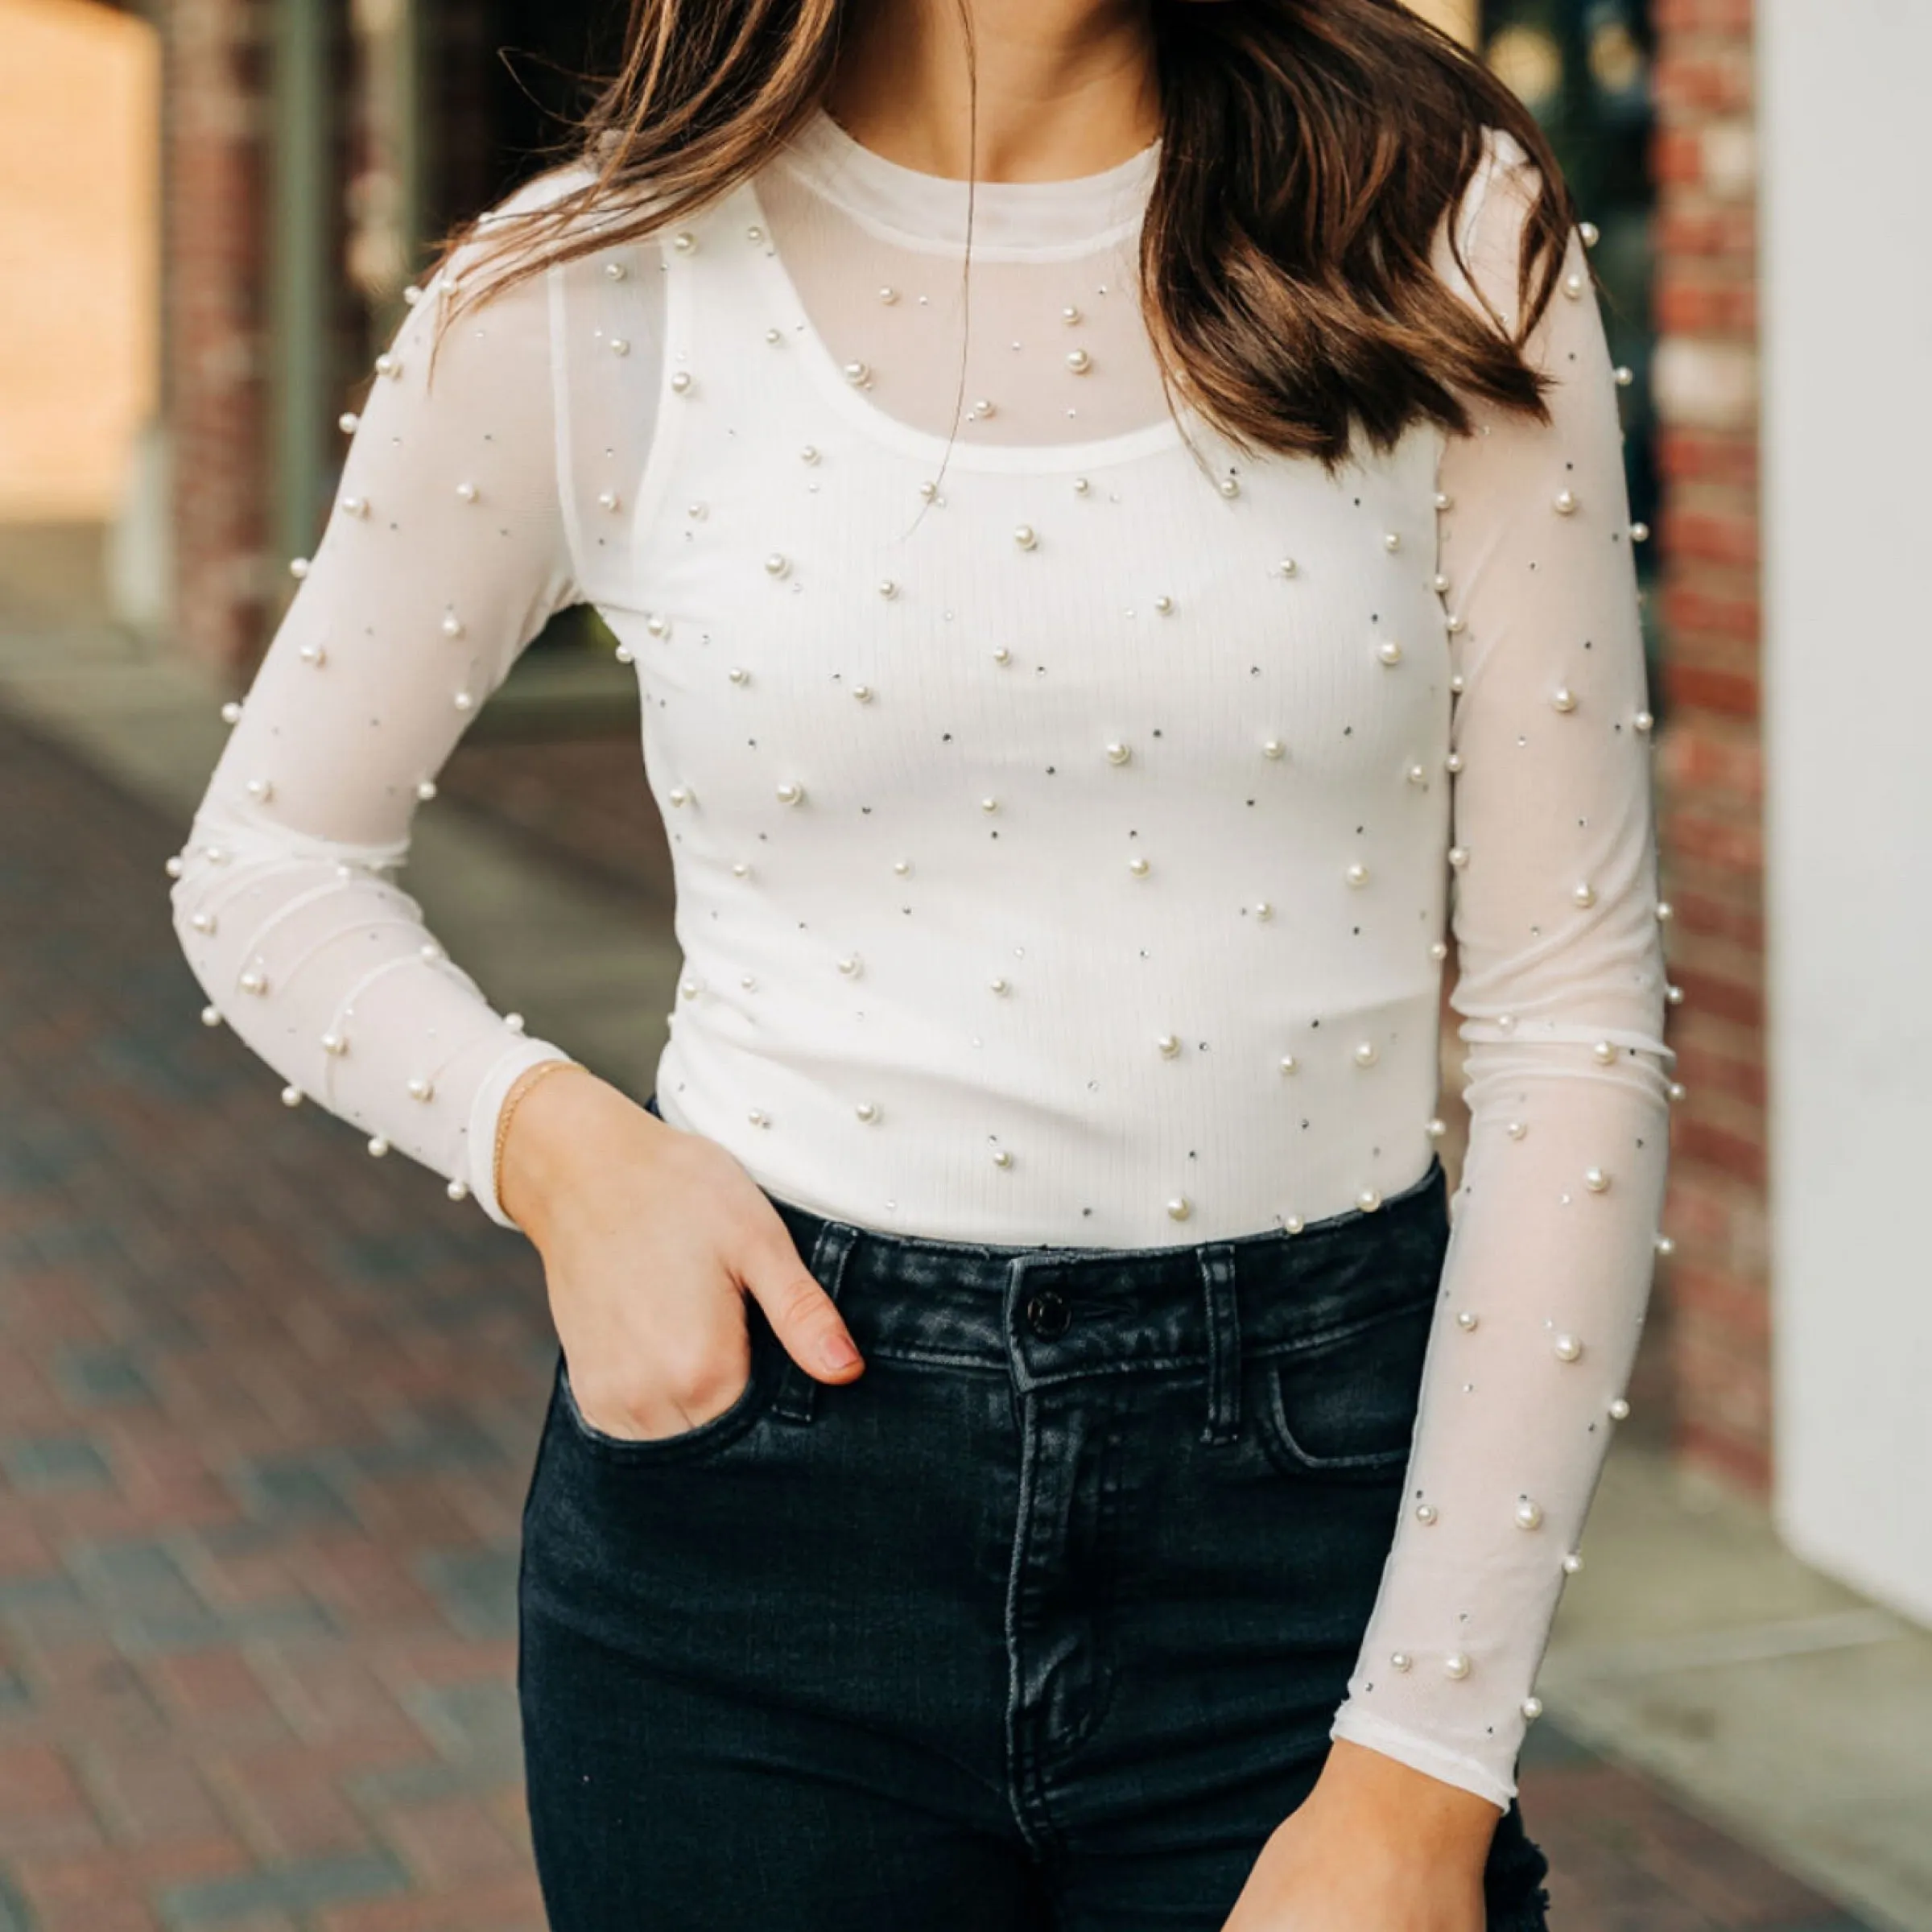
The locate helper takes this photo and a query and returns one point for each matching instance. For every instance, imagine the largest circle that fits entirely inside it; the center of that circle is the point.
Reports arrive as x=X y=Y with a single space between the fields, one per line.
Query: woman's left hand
x=1375 y=1847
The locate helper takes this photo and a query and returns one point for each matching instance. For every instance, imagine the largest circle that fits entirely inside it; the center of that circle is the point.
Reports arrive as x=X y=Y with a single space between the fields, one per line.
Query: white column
x=1845 y=147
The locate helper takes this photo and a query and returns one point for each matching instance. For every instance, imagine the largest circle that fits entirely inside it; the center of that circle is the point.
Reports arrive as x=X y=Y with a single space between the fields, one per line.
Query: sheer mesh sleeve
x=444 y=553
x=1562 y=995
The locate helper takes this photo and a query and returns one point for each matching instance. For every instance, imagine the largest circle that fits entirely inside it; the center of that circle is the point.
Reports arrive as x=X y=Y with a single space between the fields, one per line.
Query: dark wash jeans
x=1039 y=1624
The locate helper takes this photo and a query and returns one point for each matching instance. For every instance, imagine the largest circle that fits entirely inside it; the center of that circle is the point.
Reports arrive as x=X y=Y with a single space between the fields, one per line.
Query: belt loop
x=796 y=1388
x=1223 y=1344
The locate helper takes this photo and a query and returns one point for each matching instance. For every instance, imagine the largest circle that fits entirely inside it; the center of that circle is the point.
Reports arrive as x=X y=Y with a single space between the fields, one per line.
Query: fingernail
x=837 y=1352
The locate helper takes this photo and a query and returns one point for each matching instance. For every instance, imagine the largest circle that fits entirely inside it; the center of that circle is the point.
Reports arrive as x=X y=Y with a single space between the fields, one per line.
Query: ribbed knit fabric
x=1070 y=813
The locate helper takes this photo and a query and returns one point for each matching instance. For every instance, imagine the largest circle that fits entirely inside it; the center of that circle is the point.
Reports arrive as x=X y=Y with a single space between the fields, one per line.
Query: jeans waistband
x=1047 y=1315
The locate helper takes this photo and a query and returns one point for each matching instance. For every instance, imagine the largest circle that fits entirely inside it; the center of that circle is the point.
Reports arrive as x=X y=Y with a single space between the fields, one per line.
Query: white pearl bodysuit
x=1071 y=813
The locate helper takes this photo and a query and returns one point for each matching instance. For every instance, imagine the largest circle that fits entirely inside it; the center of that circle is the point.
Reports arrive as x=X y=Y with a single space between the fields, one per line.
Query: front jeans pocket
x=1345 y=1405
x=684 y=1445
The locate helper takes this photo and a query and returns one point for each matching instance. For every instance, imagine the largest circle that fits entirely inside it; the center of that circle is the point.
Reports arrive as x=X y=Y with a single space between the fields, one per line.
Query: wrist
x=544 y=1117
x=1381 y=1795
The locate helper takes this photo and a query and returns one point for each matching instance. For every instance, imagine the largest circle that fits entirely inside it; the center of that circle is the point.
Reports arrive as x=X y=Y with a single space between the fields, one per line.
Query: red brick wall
x=216 y=74
x=231 y=579
x=1715 y=1284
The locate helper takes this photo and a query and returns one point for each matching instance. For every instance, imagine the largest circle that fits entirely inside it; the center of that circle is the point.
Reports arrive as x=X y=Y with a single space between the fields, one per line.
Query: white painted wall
x=1845 y=162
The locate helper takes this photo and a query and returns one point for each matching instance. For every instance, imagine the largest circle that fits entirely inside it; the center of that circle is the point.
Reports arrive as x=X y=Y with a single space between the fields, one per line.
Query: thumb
x=803 y=1315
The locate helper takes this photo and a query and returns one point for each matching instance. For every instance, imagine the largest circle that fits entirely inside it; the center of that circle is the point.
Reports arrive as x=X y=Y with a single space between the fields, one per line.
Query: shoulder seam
x=559 y=431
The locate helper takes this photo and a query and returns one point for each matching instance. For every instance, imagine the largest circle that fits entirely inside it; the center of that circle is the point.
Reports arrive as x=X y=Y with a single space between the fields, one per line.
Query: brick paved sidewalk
x=266 y=1409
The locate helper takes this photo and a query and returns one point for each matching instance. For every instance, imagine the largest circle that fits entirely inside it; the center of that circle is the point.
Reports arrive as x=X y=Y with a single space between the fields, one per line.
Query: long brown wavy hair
x=1309 y=149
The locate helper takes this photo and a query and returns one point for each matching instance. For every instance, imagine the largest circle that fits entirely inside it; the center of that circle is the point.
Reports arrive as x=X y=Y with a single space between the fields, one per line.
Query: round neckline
x=1179 y=428
x=1010 y=221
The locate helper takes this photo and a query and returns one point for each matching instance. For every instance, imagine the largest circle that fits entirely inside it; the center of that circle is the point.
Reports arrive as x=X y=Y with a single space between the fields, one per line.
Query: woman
x=1116 y=507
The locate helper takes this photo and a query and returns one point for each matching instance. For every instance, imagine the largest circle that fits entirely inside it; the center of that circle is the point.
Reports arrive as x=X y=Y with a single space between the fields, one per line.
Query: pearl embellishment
x=1568 y=1348
x=1455 y=1665
x=1529 y=1515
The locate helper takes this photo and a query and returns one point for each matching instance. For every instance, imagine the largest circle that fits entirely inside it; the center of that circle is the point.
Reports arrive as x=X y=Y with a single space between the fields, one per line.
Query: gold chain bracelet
x=520 y=1086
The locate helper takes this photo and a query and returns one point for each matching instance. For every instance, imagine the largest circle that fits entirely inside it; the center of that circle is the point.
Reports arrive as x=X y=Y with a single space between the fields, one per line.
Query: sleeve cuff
x=1423 y=1754
x=486 y=1107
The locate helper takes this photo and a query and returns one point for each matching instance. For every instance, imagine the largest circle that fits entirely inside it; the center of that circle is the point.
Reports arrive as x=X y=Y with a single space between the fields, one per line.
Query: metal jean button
x=1048 y=1313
